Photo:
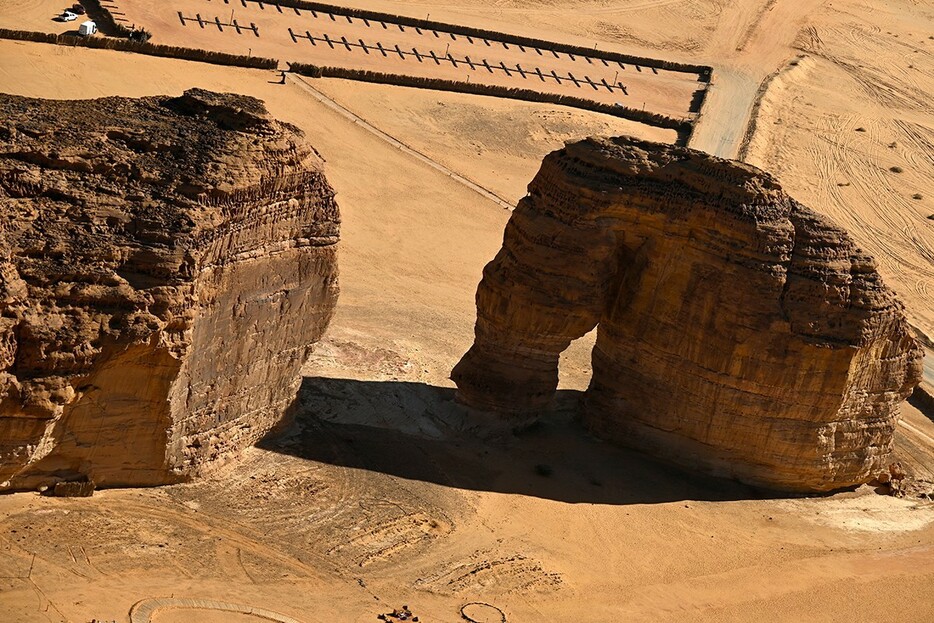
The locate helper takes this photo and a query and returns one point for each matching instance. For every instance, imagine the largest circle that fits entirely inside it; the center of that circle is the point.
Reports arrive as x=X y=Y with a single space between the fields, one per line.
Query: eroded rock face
x=167 y=264
x=739 y=332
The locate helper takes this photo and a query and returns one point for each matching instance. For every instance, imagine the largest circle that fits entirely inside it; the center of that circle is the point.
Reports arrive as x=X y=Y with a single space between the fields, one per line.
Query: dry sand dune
x=383 y=495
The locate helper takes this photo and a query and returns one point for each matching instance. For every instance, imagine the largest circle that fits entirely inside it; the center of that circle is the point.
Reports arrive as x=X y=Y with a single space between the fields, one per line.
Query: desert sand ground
x=847 y=126
x=342 y=41
x=382 y=494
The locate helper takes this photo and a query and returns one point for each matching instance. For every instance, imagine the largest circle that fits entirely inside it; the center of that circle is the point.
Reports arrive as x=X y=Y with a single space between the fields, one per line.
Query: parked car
x=68 y=16
x=77 y=9
x=87 y=28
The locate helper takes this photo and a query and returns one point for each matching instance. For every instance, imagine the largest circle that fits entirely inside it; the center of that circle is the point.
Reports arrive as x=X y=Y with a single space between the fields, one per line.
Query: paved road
x=726 y=113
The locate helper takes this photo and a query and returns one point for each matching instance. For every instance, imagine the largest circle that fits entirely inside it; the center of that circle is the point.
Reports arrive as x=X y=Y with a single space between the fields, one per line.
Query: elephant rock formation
x=738 y=331
x=167 y=264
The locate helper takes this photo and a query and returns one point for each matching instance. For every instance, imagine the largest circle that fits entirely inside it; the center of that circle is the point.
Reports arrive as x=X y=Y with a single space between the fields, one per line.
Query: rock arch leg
x=531 y=305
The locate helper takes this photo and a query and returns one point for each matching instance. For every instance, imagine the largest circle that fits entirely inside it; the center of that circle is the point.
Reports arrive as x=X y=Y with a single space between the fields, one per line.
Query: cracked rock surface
x=738 y=331
x=167 y=264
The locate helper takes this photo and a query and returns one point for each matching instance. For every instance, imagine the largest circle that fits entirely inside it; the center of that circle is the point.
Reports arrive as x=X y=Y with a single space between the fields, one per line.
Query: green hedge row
x=703 y=71
x=151 y=49
x=649 y=118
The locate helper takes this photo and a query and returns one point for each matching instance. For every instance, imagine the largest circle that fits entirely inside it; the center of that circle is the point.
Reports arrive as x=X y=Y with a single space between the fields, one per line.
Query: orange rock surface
x=167 y=265
x=739 y=332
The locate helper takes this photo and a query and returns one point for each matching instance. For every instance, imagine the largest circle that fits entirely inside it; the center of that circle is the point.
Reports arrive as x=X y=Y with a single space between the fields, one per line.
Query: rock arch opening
x=738 y=331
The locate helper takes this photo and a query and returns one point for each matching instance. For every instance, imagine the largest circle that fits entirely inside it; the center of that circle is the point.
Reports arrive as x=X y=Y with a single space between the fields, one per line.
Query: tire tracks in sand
x=236 y=541
x=363 y=123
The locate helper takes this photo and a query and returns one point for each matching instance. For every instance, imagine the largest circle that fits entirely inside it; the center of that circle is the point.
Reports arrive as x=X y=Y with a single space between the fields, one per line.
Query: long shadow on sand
x=418 y=432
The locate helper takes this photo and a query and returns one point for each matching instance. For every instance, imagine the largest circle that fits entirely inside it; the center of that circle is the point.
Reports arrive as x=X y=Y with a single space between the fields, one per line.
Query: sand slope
x=848 y=128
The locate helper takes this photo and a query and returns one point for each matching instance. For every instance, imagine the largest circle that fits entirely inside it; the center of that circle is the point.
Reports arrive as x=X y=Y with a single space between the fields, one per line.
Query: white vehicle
x=86 y=29
x=68 y=16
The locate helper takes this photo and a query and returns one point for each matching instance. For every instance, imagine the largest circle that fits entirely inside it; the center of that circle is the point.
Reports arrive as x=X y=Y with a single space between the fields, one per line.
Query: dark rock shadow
x=418 y=432
x=923 y=400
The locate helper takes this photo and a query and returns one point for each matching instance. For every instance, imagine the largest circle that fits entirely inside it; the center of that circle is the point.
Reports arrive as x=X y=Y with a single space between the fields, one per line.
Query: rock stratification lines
x=167 y=265
x=738 y=330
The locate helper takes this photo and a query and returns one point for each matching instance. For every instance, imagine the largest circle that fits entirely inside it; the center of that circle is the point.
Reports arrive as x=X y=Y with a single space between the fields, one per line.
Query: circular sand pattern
x=144 y=611
x=479 y=612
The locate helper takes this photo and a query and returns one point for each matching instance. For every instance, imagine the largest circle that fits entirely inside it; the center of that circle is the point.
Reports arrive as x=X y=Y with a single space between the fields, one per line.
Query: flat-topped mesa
x=167 y=265
x=739 y=332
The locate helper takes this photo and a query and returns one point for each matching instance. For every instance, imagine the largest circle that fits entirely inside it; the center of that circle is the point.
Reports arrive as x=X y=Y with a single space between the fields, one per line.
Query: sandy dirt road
x=725 y=116
x=750 y=42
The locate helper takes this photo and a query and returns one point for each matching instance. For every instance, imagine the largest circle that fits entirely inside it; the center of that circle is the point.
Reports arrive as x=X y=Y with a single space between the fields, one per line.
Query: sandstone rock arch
x=738 y=331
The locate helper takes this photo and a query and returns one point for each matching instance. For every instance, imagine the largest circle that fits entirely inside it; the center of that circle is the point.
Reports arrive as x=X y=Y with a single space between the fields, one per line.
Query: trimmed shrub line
x=682 y=126
x=703 y=70
x=150 y=49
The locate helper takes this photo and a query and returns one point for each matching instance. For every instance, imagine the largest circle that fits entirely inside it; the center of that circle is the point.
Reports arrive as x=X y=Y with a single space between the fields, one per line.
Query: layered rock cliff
x=167 y=263
x=738 y=331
